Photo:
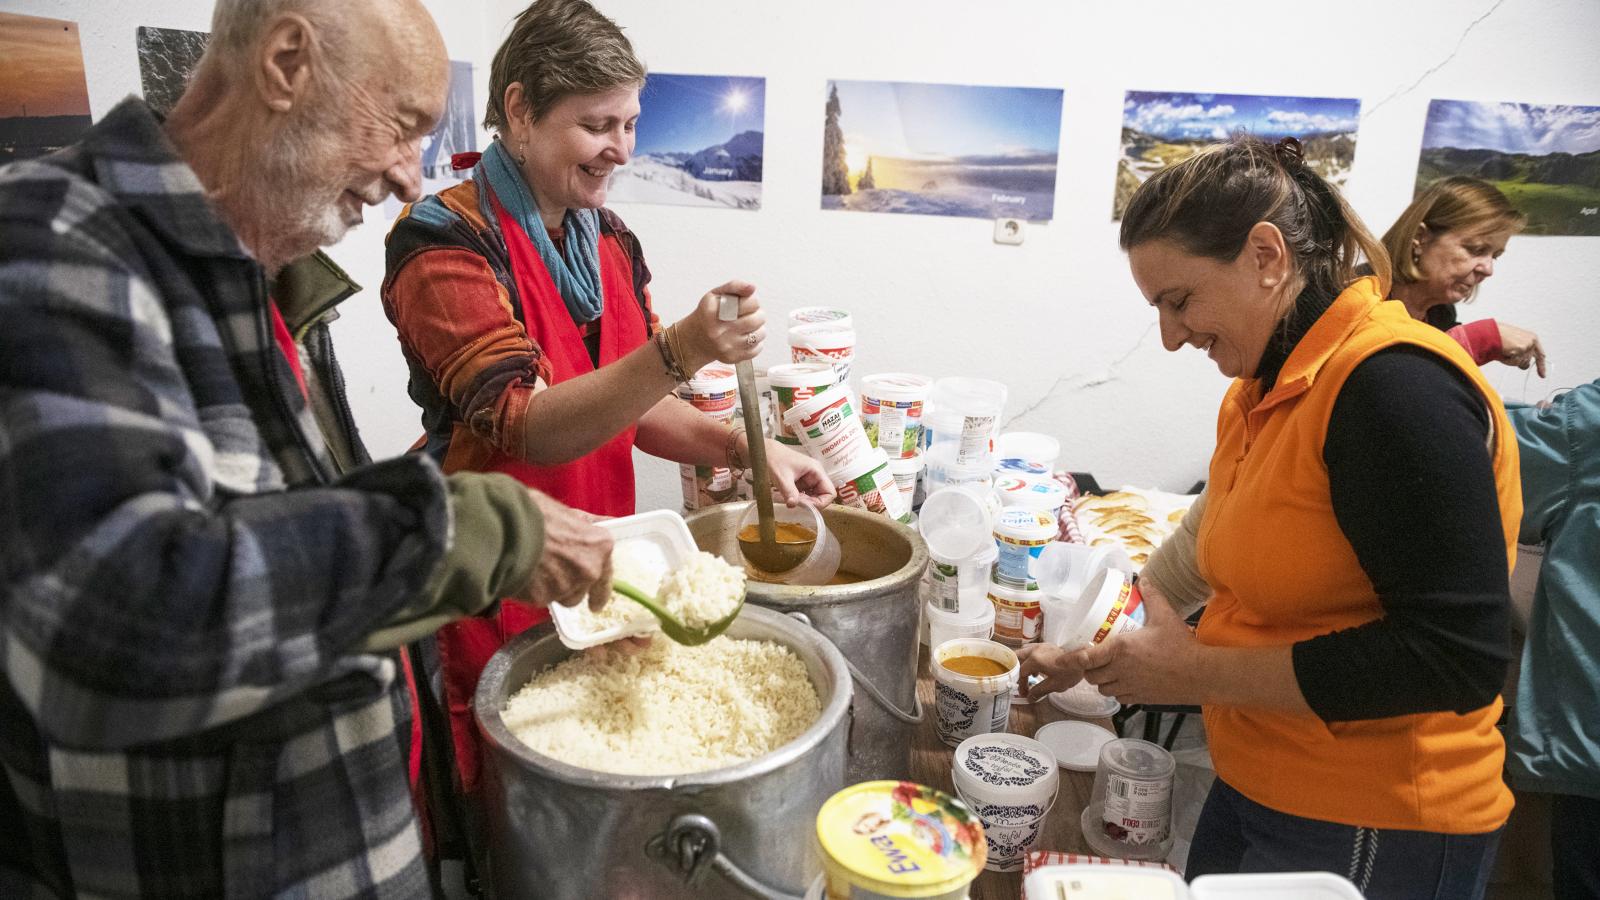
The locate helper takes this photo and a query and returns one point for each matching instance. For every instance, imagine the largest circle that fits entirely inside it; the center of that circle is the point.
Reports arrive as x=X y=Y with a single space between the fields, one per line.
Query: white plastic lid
x=803 y=374
x=955 y=524
x=1075 y=745
x=1004 y=768
x=1031 y=493
x=716 y=376
x=811 y=315
x=896 y=386
x=1097 y=881
x=906 y=466
x=1274 y=885
x=822 y=335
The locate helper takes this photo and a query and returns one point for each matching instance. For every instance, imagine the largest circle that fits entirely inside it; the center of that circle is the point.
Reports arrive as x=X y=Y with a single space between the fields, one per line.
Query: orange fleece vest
x=1282 y=571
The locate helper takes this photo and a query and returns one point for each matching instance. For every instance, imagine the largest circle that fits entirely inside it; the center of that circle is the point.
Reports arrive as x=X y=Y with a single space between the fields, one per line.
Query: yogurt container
x=964 y=417
x=824 y=342
x=714 y=390
x=1129 y=815
x=1026 y=453
x=1011 y=782
x=1111 y=606
x=891 y=408
x=1017 y=614
x=829 y=427
x=898 y=839
x=706 y=486
x=820 y=315
x=1021 y=534
x=1031 y=493
x=966 y=705
x=792 y=384
x=867 y=484
x=906 y=473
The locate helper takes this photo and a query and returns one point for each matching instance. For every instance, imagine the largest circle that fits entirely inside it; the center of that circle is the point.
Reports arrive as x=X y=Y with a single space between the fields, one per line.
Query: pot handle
x=691 y=842
x=914 y=717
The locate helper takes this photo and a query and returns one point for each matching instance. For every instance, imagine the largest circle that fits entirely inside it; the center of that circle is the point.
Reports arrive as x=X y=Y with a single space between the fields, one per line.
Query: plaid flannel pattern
x=183 y=712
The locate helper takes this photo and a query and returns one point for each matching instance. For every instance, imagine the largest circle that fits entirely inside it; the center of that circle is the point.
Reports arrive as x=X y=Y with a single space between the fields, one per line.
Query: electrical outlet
x=1008 y=231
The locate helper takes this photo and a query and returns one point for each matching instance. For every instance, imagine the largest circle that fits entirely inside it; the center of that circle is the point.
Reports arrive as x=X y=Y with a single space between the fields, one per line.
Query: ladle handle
x=750 y=402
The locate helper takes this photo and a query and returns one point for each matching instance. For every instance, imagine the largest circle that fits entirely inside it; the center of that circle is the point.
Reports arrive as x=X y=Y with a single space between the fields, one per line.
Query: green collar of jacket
x=308 y=289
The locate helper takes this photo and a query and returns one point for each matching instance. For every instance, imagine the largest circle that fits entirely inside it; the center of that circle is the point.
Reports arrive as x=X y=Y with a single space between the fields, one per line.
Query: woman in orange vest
x=1361 y=517
x=524 y=314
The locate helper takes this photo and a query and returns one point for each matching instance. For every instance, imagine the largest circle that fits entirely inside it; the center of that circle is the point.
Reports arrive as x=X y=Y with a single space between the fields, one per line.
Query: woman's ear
x=1268 y=254
x=515 y=103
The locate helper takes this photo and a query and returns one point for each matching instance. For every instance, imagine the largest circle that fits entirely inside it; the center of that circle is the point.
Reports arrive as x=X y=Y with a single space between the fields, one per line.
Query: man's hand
x=1059 y=667
x=576 y=562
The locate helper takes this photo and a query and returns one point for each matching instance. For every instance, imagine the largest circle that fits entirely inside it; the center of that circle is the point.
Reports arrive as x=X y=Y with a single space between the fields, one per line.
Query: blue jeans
x=1236 y=834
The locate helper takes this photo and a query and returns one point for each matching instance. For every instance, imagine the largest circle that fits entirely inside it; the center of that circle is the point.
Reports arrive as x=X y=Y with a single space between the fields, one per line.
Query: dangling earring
x=522 y=153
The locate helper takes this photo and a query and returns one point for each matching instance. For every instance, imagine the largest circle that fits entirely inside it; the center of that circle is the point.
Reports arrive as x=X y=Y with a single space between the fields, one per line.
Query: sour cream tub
x=867 y=484
x=1017 y=613
x=793 y=384
x=891 y=407
x=972 y=704
x=1021 y=534
x=824 y=342
x=1112 y=606
x=829 y=427
x=1031 y=493
x=714 y=390
x=897 y=839
x=1011 y=782
x=906 y=472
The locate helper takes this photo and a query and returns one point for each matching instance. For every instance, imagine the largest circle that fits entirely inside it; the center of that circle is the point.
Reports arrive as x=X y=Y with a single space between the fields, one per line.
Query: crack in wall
x=1089 y=379
x=1400 y=92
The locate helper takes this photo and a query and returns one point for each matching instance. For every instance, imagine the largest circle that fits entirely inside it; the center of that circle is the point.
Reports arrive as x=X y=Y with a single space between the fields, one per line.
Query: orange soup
x=977 y=666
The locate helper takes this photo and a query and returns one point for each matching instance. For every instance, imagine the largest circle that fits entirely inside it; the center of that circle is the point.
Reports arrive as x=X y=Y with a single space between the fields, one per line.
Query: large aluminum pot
x=558 y=831
x=875 y=623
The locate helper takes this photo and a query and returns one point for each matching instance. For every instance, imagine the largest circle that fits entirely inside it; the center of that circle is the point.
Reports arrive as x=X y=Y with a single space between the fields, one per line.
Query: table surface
x=930 y=764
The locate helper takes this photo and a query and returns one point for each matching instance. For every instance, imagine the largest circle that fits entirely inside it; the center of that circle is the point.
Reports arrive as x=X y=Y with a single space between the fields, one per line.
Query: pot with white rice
x=676 y=772
x=874 y=618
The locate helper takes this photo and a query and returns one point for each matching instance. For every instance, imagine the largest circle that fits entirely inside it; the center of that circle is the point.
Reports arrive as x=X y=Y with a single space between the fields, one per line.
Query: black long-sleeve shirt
x=1412 y=484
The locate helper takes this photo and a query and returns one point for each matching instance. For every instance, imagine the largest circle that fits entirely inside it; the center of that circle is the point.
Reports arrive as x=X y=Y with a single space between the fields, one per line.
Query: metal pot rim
x=802 y=595
x=492 y=693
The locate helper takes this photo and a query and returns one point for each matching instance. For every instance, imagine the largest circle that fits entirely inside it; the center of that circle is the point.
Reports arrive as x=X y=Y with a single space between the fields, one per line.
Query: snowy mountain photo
x=1163 y=128
x=700 y=141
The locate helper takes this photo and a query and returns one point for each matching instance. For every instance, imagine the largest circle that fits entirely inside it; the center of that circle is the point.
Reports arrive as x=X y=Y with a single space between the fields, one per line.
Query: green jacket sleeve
x=1545 y=444
x=496 y=540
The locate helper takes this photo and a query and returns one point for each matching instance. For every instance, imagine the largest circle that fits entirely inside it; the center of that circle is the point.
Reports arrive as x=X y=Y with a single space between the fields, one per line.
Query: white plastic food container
x=1010 y=781
x=662 y=539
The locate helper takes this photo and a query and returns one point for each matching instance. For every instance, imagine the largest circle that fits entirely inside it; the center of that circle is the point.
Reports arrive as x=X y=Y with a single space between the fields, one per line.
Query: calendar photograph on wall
x=699 y=142
x=1161 y=128
x=44 y=97
x=941 y=149
x=167 y=56
x=456 y=132
x=1545 y=159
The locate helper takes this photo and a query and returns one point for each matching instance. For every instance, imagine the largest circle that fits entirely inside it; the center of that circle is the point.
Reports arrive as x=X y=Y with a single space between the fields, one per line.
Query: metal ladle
x=766 y=553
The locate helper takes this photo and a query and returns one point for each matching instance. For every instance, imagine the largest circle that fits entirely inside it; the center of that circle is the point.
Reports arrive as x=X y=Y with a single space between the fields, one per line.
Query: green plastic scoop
x=671 y=627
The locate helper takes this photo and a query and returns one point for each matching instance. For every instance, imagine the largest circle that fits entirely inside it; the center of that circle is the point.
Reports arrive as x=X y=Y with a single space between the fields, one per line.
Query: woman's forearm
x=1256 y=677
x=575 y=417
x=675 y=430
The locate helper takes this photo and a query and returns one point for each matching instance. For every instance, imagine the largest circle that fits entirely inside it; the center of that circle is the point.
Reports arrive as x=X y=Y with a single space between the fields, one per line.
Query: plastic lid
x=715 y=373
x=954 y=524
x=1091 y=704
x=1006 y=769
x=1137 y=759
x=896 y=386
x=1075 y=745
x=901 y=839
x=803 y=374
x=905 y=465
x=1033 y=493
x=807 y=315
x=864 y=463
x=1015 y=593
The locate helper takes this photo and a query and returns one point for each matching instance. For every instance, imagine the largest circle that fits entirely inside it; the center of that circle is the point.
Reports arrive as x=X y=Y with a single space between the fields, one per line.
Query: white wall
x=1057 y=318
x=365 y=341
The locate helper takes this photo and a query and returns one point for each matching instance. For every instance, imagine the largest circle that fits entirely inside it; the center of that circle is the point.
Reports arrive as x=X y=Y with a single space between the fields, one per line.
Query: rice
x=705 y=589
x=638 y=562
x=668 y=709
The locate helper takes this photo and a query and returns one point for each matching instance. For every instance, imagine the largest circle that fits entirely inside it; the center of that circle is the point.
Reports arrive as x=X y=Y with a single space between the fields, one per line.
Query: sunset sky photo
x=41 y=67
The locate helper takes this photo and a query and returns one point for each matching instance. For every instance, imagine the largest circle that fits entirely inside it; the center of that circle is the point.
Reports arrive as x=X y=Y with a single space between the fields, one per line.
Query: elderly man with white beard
x=205 y=582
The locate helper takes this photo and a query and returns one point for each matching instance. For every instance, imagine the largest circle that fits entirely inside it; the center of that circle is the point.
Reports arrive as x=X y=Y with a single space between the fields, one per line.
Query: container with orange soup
x=897 y=839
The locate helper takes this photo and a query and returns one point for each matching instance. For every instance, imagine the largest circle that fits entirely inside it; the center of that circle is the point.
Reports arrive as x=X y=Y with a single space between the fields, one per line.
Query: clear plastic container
x=1129 y=815
x=964 y=415
x=947 y=626
x=823 y=562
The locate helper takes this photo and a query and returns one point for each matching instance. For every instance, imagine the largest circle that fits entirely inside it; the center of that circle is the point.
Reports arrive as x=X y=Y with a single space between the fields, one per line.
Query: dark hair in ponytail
x=1209 y=202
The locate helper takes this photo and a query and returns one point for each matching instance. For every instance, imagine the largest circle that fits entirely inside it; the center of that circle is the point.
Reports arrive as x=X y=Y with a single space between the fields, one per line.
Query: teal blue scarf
x=577 y=273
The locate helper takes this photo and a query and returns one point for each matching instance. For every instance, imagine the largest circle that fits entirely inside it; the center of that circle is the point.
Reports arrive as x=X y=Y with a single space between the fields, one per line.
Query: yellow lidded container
x=898 y=839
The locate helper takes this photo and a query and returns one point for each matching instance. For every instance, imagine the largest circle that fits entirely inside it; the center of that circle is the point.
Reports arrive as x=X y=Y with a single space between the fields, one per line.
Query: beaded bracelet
x=731 y=448
x=667 y=357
